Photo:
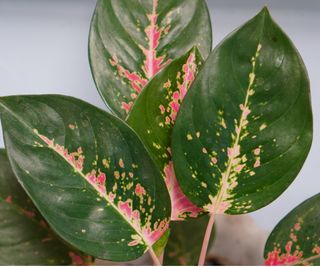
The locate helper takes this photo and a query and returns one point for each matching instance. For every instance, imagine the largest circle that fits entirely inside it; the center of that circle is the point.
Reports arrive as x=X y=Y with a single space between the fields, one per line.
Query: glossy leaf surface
x=88 y=173
x=244 y=129
x=26 y=239
x=296 y=239
x=185 y=242
x=131 y=40
x=154 y=115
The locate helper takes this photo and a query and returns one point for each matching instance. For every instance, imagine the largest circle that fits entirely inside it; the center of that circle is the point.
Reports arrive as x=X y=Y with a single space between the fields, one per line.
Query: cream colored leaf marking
x=236 y=163
x=145 y=235
x=181 y=206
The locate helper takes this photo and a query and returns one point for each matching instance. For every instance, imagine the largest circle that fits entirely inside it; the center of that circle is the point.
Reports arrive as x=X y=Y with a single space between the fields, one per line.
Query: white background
x=43 y=49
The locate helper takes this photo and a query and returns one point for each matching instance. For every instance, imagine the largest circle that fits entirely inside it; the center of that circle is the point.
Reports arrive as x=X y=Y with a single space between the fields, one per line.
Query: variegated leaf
x=26 y=239
x=154 y=115
x=296 y=239
x=131 y=40
x=244 y=129
x=88 y=173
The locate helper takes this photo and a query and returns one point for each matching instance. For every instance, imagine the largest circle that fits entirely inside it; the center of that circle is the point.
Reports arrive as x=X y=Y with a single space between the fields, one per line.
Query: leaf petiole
x=154 y=257
x=206 y=240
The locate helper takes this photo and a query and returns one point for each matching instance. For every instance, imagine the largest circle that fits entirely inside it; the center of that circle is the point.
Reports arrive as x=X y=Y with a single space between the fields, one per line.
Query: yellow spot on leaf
x=263 y=126
x=204 y=185
x=106 y=163
x=116 y=175
x=157 y=146
x=223 y=123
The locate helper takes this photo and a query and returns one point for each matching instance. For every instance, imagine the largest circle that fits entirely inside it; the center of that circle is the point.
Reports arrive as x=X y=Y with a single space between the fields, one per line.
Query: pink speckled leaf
x=154 y=115
x=132 y=40
x=296 y=239
x=26 y=239
x=88 y=173
x=244 y=129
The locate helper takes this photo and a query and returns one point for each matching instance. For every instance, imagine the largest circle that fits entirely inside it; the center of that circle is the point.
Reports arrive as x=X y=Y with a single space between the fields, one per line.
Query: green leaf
x=185 y=242
x=296 y=239
x=131 y=40
x=160 y=245
x=244 y=129
x=26 y=239
x=88 y=173
x=153 y=117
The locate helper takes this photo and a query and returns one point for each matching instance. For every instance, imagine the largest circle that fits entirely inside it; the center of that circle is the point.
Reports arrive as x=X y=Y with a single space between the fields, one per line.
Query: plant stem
x=161 y=258
x=154 y=257
x=206 y=239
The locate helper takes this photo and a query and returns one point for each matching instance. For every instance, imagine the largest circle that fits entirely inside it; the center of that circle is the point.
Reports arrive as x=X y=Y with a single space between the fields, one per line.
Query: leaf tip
x=265 y=12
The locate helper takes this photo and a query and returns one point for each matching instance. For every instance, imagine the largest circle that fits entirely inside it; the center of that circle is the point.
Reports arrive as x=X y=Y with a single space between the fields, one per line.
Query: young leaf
x=245 y=127
x=26 y=239
x=185 y=240
x=131 y=40
x=153 y=117
x=88 y=173
x=296 y=239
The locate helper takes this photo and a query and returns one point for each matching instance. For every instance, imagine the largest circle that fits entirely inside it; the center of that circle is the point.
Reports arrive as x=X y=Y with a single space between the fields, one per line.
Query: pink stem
x=206 y=240
x=161 y=258
x=154 y=257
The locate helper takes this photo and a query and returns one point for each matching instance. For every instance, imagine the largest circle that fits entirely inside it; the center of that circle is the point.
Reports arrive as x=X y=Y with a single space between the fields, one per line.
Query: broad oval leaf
x=185 y=240
x=154 y=115
x=88 y=173
x=296 y=239
x=26 y=239
x=131 y=40
x=244 y=129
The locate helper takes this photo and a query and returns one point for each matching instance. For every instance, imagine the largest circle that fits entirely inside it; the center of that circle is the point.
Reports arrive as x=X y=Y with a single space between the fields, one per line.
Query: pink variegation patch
x=189 y=69
x=80 y=260
x=181 y=206
x=135 y=79
x=237 y=161
x=8 y=199
x=147 y=233
x=289 y=256
x=76 y=259
x=316 y=250
x=276 y=258
x=139 y=190
x=75 y=158
x=153 y=62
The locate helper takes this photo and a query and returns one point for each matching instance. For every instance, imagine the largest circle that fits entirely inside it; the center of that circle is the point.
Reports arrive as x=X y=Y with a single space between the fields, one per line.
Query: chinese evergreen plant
x=192 y=133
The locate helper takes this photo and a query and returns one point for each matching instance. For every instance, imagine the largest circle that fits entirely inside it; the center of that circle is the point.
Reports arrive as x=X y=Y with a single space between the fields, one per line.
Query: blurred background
x=43 y=49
